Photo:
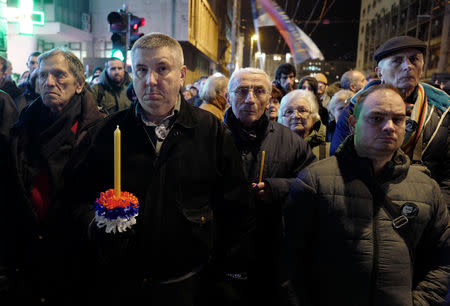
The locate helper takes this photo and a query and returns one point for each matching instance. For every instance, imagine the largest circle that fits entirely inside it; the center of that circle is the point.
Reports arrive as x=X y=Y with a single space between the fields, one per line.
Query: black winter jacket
x=38 y=252
x=343 y=242
x=194 y=204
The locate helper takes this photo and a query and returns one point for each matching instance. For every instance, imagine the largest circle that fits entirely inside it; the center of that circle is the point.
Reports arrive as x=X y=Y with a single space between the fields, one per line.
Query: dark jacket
x=343 y=243
x=112 y=98
x=10 y=87
x=39 y=249
x=286 y=154
x=437 y=156
x=8 y=116
x=194 y=205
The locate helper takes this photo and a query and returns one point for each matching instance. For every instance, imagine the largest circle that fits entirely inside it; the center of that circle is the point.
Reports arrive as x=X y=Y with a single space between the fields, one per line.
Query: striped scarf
x=415 y=123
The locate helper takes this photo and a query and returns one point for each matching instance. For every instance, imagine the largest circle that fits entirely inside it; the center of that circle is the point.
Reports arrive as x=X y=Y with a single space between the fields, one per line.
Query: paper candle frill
x=117 y=214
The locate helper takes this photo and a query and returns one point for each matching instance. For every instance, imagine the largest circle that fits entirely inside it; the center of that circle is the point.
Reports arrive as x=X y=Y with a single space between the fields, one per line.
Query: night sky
x=337 y=40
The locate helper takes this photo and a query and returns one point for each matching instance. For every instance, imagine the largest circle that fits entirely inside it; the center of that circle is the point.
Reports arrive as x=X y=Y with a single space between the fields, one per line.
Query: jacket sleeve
x=432 y=263
x=299 y=219
x=342 y=129
x=303 y=158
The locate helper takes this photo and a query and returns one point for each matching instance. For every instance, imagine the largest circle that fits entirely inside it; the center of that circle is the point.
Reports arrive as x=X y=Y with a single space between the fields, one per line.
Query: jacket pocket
x=201 y=223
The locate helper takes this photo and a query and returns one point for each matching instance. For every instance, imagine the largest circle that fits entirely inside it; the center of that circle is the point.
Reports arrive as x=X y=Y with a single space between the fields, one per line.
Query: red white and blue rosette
x=117 y=214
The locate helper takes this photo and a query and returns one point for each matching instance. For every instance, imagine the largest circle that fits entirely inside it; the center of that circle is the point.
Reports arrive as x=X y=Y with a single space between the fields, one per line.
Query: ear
x=352 y=123
x=183 y=71
x=79 y=88
x=352 y=87
x=378 y=71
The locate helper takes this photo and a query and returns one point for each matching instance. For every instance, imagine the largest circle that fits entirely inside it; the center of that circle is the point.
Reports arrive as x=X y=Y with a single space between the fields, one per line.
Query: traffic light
x=135 y=23
x=118 y=25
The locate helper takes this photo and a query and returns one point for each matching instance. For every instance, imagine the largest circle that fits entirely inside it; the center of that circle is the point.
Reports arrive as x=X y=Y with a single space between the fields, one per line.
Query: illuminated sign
x=25 y=16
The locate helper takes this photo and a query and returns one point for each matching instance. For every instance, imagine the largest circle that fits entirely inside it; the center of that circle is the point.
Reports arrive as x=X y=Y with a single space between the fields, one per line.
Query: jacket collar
x=185 y=117
x=351 y=165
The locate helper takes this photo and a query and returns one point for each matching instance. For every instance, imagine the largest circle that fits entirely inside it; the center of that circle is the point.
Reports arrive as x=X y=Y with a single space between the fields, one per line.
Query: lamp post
x=250 y=59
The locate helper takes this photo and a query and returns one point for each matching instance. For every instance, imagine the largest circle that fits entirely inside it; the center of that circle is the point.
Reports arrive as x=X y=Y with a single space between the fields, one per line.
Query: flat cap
x=398 y=43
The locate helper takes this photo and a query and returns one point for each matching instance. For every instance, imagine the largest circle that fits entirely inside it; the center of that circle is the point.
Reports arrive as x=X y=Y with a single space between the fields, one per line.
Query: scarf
x=415 y=123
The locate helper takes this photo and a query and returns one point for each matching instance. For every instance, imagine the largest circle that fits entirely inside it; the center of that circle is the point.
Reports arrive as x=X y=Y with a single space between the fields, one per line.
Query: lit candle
x=117 y=162
x=262 y=166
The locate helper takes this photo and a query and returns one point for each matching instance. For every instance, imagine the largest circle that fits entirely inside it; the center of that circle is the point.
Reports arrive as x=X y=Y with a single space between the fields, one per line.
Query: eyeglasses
x=258 y=91
x=299 y=111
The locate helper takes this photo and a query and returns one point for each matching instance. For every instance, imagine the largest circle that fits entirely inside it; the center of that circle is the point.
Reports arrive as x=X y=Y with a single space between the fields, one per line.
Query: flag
x=301 y=45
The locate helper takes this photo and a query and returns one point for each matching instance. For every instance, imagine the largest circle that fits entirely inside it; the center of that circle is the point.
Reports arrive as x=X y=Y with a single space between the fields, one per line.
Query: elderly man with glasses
x=285 y=155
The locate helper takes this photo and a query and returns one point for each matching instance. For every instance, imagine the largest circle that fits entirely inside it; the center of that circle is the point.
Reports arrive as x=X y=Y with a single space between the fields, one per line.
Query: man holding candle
x=285 y=155
x=35 y=238
x=185 y=171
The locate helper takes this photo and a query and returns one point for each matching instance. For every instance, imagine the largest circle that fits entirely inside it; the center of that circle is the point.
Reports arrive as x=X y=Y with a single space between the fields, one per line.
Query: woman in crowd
x=310 y=84
x=213 y=95
x=299 y=111
x=274 y=103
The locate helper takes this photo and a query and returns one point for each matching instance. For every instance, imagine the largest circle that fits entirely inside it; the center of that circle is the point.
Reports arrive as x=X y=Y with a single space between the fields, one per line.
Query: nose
x=50 y=80
x=388 y=126
x=250 y=96
x=151 y=78
x=406 y=64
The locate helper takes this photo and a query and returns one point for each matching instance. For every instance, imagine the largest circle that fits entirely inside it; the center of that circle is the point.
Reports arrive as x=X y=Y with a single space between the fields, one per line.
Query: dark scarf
x=247 y=139
x=45 y=140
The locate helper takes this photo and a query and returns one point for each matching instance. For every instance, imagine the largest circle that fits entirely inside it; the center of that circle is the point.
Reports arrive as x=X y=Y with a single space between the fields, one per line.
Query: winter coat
x=111 y=98
x=8 y=116
x=436 y=157
x=39 y=248
x=194 y=205
x=342 y=243
x=286 y=154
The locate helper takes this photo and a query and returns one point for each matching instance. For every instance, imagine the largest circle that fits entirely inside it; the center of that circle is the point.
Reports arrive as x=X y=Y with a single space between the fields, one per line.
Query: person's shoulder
x=284 y=134
x=436 y=96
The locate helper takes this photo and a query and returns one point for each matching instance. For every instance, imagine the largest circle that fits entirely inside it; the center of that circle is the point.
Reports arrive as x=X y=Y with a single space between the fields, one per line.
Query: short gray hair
x=339 y=98
x=75 y=65
x=300 y=94
x=249 y=70
x=213 y=85
x=158 y=40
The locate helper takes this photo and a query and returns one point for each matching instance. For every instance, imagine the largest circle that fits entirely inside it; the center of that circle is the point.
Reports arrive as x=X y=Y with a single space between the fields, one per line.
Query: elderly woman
x=299 y=111
x=335 y=107
x=213 y=95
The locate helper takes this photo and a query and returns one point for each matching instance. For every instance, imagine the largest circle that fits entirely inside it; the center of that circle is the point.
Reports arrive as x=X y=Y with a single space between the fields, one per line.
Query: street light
x=254 y=37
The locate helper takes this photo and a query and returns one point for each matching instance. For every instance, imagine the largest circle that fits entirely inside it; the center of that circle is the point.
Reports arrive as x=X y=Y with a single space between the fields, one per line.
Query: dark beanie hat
x=398 y=43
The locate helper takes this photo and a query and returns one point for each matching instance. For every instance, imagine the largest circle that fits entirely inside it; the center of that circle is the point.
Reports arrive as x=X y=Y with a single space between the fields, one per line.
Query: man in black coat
x=285 y=155
x=186 y=173
x=35 y=234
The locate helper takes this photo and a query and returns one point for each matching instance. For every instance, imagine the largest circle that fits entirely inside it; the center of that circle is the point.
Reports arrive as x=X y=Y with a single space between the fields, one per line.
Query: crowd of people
x=251 y=191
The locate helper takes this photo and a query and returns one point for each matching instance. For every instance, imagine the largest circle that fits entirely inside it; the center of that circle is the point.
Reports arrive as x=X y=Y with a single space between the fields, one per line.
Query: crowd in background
x=252 y=190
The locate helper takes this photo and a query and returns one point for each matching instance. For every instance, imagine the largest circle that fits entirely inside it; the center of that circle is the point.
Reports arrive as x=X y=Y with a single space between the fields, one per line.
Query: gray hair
x=249 y=70
x=339 y=98
x=158 y=40
x=300 y=94
x=75 y=65
x=213 y=85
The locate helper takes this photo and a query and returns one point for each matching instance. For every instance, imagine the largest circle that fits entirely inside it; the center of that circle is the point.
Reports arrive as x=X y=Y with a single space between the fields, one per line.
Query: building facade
x=428 y=20
x=203 y=27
